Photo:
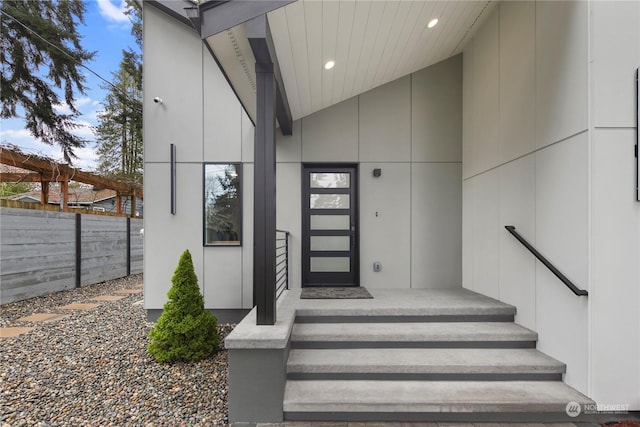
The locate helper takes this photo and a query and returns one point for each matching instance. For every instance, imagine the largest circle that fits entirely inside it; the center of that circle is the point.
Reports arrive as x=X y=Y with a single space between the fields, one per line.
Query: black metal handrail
x=282 y=262
x=579 y=292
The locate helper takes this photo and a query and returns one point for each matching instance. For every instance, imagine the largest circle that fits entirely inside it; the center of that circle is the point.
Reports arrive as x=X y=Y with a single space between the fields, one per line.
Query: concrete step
x=460 y=401
x=405 y=318
x=451 y=305
x=461 y=364
x=412 y=335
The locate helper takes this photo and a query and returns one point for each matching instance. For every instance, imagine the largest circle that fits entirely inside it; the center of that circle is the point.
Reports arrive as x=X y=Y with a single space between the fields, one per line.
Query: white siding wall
x=201 y=115
x=411 y=129
x=548 y=147
x=615 y=217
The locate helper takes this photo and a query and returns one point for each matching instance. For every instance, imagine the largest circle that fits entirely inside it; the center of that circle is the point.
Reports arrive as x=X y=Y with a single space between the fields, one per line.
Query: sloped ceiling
x=372 y=43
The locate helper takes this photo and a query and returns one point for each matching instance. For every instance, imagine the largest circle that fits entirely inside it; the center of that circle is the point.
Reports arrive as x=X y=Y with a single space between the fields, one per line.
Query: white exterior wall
x=548 y=135
x=203 y=118
x=615 y=217
x=411 y=129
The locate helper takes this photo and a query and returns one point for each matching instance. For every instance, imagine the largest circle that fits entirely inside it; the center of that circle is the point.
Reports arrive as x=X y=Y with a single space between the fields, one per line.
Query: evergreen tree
x=41 y=51
x=134 y=11
x=184 y=331
x=119 y=130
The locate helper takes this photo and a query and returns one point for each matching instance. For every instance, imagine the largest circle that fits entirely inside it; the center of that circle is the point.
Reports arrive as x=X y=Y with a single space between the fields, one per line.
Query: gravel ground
x=92 y=368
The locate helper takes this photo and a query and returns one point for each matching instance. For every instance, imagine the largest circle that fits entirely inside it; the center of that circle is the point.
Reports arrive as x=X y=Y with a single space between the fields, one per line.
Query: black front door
x=329 y=225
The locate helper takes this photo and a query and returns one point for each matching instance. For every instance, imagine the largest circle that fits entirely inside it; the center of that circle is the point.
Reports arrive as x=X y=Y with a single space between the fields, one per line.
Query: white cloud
x=10 y=134
x=85 y=130
x=20 y=137
x=92 y=116
x=113 y=12
x=88 y=113
x=87 y=159
x=81 y=102
x=62 y=108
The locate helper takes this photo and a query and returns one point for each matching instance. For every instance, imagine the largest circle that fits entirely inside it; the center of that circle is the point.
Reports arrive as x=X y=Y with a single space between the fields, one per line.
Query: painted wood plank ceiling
x=372 y=42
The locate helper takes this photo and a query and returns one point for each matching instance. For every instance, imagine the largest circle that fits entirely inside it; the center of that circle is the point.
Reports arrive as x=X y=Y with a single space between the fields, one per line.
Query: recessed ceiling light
x=329 y=65
x=432 y=23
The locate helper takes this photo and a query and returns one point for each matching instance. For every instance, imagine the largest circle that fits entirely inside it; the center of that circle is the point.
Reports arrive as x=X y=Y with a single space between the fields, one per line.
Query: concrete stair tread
x=422 y=361
x=411 y=332
x=409 y=302
x=336 y=396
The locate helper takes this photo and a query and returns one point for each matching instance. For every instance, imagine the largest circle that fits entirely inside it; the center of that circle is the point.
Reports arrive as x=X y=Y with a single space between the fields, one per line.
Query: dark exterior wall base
x=257 y=379
x=225 y=316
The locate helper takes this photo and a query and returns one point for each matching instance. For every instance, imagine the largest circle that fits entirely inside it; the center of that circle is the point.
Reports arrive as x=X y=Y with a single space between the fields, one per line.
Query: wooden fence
x=43 y=252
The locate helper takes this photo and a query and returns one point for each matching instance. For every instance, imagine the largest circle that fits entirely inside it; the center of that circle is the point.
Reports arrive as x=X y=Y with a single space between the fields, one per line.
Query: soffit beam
x=259 y=36
x=218 y=16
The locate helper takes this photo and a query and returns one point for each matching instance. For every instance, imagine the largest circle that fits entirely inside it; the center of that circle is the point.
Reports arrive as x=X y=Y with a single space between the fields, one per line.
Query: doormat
x=335 y=293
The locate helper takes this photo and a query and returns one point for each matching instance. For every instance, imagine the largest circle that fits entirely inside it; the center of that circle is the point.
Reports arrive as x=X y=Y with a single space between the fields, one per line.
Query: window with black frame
x=222 y=204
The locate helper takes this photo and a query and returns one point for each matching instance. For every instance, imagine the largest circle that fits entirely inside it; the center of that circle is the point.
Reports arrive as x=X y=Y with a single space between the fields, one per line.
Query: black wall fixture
x=638 y=134
x=173 y=179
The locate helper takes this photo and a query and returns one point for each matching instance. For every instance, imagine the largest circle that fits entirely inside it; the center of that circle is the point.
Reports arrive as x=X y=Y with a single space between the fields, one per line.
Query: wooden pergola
x=46 y=171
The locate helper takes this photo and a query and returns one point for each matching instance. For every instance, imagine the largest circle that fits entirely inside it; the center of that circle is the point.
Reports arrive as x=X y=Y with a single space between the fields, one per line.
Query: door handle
x=353 y=236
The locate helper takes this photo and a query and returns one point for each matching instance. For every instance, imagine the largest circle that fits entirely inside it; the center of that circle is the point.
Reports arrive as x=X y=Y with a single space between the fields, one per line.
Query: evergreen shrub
x=184 y=331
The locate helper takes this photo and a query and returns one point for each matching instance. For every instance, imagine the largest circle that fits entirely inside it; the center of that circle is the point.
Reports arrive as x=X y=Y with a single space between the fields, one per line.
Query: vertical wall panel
x=517 y=79
x=562 y=206
x=486 y=99
x=562 y=230
x=486 y=237
x=616 y=56
x=289 y=215
x=561 y=70
x=385 y=119
x=222 y=115
x=386 y=237
x=436 y=113
x=174 y=53
x=331 y=135
x=562 y=326
x=436 y=232
x=615 y=295
x=517 y=264
x=223 y=277
x=468 y=245
x=170 y=235
x=289 y=147
x=248 y=132
x=468 y=95
x=247 y=236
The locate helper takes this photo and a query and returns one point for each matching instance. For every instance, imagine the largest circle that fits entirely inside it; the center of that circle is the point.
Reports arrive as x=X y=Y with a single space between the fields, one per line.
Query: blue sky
x=107 y=31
